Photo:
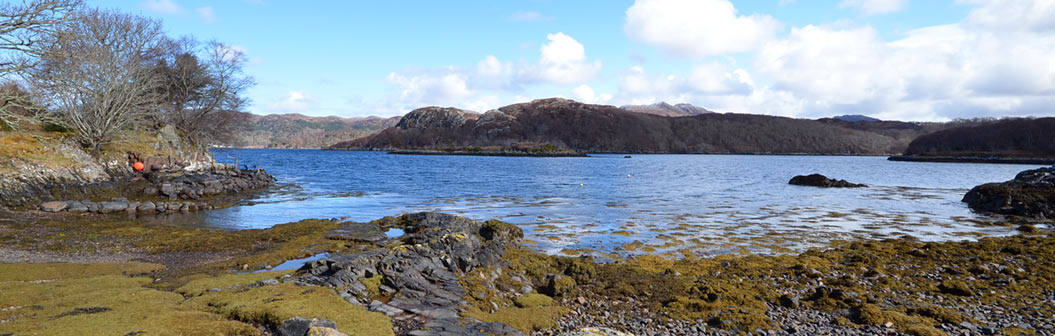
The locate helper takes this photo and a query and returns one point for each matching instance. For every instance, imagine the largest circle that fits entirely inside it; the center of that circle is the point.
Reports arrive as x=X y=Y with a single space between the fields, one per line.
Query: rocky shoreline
x=973 y=159
x=169 y=192
x=488 y=153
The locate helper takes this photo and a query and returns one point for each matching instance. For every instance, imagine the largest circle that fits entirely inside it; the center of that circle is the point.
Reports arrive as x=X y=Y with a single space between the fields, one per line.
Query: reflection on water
x=294 y=264
x=646 y=204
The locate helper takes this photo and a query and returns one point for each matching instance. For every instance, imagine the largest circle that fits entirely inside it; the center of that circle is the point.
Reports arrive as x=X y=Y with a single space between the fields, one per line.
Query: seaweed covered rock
x=207 y=183
x=420 y=271
x=1030 y=194
x=818 y=180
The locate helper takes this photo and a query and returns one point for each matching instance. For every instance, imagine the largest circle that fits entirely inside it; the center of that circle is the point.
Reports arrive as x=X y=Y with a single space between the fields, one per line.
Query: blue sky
x=895 y=59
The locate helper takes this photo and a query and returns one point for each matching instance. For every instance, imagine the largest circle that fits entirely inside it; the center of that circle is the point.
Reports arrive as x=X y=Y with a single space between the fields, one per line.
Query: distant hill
x=855 y=118
x=664 y=109
x=602 y=128
x=300 y=131
x=1005 y=138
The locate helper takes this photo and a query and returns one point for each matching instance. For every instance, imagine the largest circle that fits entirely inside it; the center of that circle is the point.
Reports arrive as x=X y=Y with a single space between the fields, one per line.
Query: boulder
x=1031 y=194
x=818 y=180
x=299 y=326
x=77 y=207
x=54 y=206
x=147 y=207
x=110 y=207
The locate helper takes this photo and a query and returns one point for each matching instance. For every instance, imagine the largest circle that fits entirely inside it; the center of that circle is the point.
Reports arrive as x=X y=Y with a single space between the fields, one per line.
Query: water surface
x=644 y=204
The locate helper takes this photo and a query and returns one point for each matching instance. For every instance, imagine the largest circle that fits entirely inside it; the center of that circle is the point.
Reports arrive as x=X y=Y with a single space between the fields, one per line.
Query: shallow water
x=645 y=204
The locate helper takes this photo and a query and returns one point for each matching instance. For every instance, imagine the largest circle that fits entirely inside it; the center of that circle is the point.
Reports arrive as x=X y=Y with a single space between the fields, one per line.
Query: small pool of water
x=394 y=233
x=295 y=263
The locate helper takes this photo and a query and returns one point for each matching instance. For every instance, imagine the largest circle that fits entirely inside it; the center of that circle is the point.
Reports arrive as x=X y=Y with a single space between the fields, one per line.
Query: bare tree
x=22 y=28
x=203 y=85
x=96 y=72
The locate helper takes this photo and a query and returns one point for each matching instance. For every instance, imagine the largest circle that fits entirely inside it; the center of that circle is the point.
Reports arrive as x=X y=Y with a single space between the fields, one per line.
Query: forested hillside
x=300 y=131
x=1013 y=138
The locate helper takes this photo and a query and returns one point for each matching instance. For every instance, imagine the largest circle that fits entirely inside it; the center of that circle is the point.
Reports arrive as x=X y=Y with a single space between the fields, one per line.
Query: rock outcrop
x=169 y=192
x=421 y=273
x=1031 y=194
x=192 y=186
x=818 y=180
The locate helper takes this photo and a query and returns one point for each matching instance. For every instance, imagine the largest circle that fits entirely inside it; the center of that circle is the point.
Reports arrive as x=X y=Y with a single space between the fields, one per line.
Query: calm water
x=610 y=204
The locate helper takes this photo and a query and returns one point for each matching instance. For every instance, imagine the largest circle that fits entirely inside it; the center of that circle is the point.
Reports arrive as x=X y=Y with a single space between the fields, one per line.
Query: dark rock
x=1030 y=194
x=789 y=301
x=110 y=207
x=77 y=207
x=299 y=326
x=422 y=274
x=818 y=180
x=360 y=232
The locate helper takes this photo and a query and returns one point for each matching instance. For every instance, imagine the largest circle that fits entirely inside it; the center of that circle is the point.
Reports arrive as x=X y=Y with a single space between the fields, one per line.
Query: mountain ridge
x=609 y=129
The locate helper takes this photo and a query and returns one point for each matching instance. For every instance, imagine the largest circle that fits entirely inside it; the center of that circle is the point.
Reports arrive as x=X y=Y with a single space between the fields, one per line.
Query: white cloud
x=585 y=94
x=707 y=79
x=162 y=6
x=562 y=61
x=529 y=16
x=444 y=88
x=977 y=68
x=873 y=7
x=1036 y=16
x=697 y=28
x=490 y=66
x=484 y=104
x=206 y=14
x=293 y=102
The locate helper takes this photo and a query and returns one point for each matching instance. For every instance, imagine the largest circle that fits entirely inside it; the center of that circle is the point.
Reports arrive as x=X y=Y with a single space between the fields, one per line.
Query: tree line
x=100 y=73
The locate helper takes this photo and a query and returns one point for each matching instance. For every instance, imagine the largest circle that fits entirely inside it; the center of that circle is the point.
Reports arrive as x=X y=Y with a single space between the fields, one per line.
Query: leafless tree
x=203 y=85
x=24 y=25
x=96 y=73
x=22 y=28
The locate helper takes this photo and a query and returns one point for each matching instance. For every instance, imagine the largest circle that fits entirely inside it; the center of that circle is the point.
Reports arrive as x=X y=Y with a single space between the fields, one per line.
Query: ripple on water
x=706 y=204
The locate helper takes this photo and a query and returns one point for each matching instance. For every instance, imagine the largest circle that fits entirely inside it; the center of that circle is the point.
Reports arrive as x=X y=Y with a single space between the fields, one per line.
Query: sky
x=922 y=60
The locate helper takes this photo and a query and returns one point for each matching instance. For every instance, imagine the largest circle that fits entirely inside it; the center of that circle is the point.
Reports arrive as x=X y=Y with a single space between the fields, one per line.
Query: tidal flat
x=200 y=281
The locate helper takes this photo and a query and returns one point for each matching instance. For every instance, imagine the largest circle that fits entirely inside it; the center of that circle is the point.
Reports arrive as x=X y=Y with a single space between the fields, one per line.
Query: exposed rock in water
x=818 y=180
x=422 y=273
x=1030 y=194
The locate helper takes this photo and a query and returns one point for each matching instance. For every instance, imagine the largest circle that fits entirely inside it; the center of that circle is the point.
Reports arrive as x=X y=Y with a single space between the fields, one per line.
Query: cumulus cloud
x=707 y=79
x=585 y=94
x=1037 y=16
x=697 y=28
x=293 y=102
x=562 y=61
x=439 y=88
x=206 y=14
x=873 y=7
x=162 y=6
x=970 y=69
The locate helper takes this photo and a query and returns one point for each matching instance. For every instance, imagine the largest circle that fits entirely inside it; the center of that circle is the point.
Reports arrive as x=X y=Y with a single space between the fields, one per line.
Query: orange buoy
x=138 y=166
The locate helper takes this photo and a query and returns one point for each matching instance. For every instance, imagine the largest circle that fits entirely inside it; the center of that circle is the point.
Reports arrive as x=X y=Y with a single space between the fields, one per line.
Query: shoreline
x=859 y=286
x=973 y=159
x=486 y=153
